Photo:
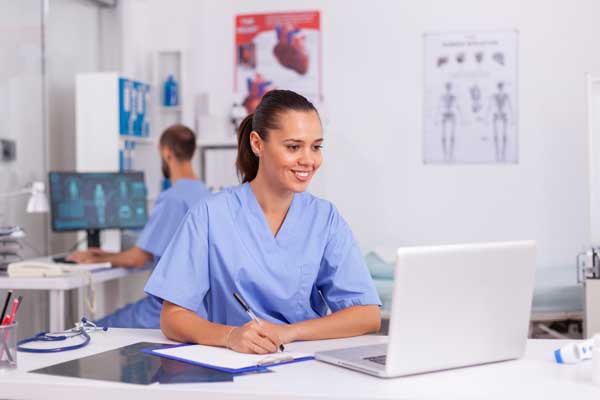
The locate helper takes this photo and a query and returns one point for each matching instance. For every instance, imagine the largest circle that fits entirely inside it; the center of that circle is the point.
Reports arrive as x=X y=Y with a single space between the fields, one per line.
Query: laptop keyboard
x=376 y=359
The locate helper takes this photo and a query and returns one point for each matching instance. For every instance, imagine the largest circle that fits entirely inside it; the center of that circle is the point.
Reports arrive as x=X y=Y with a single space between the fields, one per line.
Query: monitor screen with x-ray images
x=97 y=200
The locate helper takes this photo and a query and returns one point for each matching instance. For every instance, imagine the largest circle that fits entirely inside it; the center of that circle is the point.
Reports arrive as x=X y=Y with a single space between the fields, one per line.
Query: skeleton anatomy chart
x=470 y=98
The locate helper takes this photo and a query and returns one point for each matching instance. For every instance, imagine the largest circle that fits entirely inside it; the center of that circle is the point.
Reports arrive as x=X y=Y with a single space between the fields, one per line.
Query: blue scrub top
x=225 y=245
x=168 y=212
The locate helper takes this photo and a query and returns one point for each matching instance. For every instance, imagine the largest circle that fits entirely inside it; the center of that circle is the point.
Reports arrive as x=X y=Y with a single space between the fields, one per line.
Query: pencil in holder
x=8 y=346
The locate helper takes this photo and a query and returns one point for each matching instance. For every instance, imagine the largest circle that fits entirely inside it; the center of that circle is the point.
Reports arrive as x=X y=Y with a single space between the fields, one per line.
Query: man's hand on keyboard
x=90 y=256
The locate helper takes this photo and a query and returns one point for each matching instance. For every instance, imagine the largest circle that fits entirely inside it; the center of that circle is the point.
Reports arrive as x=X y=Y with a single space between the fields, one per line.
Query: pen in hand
x=249 y=311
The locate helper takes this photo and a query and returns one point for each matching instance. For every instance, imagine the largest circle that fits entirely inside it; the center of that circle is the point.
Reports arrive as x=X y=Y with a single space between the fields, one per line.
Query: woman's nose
x=307 y=158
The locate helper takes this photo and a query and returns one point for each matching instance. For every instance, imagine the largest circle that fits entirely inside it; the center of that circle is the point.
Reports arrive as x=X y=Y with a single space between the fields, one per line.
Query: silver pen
x=249 y=311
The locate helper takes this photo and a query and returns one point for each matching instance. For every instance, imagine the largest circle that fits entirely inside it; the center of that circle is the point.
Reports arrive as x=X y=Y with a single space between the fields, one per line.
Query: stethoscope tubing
x=48 y=337
x=44 y=337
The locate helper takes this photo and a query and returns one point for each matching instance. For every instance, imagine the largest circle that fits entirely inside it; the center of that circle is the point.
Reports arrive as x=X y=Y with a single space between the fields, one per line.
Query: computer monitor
x=93 y=201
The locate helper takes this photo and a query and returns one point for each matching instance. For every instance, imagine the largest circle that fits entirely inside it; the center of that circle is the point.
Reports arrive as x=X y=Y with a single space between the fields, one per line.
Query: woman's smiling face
x=291 y=154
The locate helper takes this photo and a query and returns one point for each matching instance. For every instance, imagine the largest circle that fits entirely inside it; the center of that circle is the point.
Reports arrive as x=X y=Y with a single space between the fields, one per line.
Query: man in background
x=177 y=145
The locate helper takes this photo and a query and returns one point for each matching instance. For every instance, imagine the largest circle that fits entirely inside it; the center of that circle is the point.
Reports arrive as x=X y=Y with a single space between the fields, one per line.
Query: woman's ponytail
x=247 y=161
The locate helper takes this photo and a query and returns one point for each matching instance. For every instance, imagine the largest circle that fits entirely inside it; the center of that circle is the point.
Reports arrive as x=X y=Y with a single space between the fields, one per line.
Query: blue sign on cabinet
x=134 y=103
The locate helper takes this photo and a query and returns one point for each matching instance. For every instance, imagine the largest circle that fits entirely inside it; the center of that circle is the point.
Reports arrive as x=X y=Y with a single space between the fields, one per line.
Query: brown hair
x=265 y=118
x=181 y=140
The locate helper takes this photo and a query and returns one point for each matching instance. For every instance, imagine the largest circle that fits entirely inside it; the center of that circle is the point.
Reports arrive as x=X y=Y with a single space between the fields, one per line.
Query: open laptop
x=452 y=306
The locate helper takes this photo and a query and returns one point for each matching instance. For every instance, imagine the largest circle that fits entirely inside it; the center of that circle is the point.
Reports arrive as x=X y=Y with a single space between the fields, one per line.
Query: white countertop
x=536 y=375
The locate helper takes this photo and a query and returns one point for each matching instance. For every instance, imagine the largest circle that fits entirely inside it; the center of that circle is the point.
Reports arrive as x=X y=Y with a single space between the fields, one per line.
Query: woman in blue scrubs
x=289 y=254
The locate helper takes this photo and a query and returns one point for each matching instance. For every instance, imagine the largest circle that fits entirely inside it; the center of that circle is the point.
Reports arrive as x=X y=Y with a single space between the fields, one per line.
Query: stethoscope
x=81 y=328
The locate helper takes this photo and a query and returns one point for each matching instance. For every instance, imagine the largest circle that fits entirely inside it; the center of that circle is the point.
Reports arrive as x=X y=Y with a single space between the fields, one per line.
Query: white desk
x=534 y=376
x=57 y=286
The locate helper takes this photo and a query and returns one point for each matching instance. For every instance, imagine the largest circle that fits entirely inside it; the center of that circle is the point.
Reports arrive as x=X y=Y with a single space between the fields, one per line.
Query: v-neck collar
x=286 y=228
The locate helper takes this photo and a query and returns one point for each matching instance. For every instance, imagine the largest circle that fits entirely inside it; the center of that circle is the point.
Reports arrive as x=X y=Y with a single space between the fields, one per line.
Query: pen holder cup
x=8 y=346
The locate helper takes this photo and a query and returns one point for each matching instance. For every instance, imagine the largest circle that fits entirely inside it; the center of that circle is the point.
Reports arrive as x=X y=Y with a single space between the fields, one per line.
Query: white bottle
x=596 y=361
x=573 y=353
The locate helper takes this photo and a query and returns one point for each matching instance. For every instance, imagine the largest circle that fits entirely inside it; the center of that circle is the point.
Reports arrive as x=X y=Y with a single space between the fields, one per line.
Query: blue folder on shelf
x=226 y=360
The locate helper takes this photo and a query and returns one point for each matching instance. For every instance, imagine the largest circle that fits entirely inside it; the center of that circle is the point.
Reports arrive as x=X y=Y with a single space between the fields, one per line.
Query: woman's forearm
x=182 y=325
x=351 y=321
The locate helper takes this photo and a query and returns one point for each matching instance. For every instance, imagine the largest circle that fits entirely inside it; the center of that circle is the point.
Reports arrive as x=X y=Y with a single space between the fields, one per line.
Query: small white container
x=574 y=353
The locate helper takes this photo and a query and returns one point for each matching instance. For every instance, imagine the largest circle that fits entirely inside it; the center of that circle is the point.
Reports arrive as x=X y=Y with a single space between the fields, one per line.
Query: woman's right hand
x=253 y=338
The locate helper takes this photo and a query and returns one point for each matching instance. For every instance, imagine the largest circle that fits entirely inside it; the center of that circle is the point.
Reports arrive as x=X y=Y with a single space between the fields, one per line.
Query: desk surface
x=534 y=376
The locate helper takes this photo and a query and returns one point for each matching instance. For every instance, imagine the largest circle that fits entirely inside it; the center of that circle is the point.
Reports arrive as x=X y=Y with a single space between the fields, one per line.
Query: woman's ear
x=256 y=143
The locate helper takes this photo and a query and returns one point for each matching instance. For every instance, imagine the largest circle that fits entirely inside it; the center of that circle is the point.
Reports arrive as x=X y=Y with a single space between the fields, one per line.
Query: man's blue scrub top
x=168 y=212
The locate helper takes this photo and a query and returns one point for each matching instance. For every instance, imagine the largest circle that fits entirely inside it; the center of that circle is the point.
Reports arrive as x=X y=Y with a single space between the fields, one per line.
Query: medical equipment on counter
x=573 y=353
x=82 y=328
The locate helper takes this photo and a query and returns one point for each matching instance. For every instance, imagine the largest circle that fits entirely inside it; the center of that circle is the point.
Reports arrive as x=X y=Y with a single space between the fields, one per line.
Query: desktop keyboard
x=376 y=359
x=62 y=260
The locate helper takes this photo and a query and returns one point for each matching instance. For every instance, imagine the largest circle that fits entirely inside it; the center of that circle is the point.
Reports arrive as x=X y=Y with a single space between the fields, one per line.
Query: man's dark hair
x=181 y=140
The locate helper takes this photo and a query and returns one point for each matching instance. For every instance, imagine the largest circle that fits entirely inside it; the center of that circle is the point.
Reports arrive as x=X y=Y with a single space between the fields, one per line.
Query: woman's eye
x=317 y=147
x=293 y=147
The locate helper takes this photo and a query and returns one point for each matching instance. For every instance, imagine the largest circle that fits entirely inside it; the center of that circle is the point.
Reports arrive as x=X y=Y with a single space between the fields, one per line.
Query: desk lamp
x=38 y=203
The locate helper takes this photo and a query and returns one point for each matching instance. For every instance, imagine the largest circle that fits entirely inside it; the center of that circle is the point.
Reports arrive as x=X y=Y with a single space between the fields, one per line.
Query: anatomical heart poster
x=470 y=111
x=277 y=51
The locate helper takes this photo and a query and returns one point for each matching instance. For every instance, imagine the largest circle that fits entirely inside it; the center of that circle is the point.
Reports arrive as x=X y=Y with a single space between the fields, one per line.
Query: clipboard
x=226 y=360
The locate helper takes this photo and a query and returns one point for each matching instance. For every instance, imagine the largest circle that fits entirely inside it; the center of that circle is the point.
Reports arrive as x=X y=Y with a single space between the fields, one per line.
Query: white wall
x=76 y=23
x=21 y=117
x=372 y=81
x=72 y=46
